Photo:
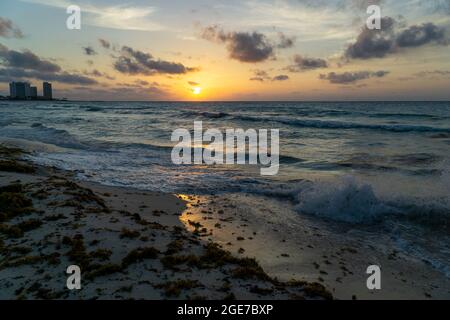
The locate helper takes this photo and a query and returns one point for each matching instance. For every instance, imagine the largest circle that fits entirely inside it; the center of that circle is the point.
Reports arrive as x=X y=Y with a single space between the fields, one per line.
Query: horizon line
x=209 y=101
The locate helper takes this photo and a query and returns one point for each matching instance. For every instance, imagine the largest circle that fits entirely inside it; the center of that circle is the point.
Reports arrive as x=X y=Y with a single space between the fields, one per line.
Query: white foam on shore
x=344 y=200
x=30 y=145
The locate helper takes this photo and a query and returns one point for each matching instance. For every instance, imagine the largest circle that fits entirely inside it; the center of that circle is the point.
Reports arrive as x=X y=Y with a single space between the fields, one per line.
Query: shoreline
x=129 y=244
x=315 y=251
x=334 y=255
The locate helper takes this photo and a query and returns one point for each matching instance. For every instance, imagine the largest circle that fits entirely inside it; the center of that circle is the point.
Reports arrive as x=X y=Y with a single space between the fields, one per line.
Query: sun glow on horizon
x=196 y=90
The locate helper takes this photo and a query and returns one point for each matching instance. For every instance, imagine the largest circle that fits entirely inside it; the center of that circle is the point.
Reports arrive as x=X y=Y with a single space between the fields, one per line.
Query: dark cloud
x=89 y=51
x=416 y=36
x=104 y=43
x=304 y=63
x=241 y=46
x=69 y=78
x=10 y=74
x=281 y=77
x=379 y=43
x=373 y=43
x=137 y=62
x=193 y=83
x=27 y=65
x=94 y=73
x=257 y=79
x=285 y=42
x=351 y=77
x=433 y=73
x=98 y=74
x=261 y=75
x=121 y=92
x=26 y=60
x=144 y=83
x=9 y=30
x=139 y=84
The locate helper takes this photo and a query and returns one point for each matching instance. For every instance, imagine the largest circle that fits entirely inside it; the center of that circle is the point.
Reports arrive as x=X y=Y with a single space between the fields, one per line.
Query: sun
x=196 y=90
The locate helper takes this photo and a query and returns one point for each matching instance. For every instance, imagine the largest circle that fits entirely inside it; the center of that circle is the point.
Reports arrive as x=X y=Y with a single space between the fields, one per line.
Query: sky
x=236 y=50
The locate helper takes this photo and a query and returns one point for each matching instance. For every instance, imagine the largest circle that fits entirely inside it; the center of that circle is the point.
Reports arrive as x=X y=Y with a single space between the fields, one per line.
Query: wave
x=94 y=109
x=40 y=133
x=205 y=114
x=57 y=137
x=405 y=115
x=440 y=136
x=61 y=138
x=417 y=158
x=329 y=124
x=347 y=200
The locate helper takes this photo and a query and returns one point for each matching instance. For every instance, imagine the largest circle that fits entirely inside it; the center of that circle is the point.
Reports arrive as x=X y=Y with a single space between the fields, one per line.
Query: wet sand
x=312 y=249
x=128 y=243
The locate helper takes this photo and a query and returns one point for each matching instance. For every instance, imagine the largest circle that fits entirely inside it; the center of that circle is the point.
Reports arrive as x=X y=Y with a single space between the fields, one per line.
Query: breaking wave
x=350 y=201
x=321 y=124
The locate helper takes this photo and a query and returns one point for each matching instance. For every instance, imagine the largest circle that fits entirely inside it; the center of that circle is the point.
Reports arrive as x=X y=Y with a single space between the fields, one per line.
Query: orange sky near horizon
x=266 y=50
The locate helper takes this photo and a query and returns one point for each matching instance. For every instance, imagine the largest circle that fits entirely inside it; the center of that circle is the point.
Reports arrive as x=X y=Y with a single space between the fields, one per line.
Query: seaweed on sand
x=13 y=202
x=174 y=288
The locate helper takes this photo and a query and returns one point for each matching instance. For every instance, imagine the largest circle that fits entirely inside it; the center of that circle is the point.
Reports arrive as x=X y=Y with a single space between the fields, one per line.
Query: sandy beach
x=225 y=150
x=132 y=244
x=335 y=256
x=128 y=243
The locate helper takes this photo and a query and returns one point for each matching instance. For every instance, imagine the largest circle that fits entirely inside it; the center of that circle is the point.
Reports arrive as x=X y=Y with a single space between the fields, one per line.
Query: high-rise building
x=27 y=90
x=47 y=90
x=12 y=90
x=33 y=93
x=19 y=90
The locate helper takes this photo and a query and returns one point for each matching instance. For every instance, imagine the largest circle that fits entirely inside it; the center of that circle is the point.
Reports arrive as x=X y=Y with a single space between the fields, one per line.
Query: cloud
x=9 y=30
x=98 y=74
x=373 y=43
x=419 y=35
x=380 y=43
x=193 y=83
x=89 y=51
x=304 y=64
x=261 y=75
x=242 y=46
x=121 y=92
x=281 y=77
x=138 y=84
x=143 y=82
x=13 y=73
x=104 y=43
x=433 y=73
x=26 y=60
x=137 y=62
x=257 y=79
x=27 y=65
x=122 y=16
x=352 y=77
x=285 y=42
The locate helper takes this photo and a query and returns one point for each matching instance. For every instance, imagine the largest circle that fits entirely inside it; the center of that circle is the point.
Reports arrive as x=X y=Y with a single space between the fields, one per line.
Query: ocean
x=380 y=166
